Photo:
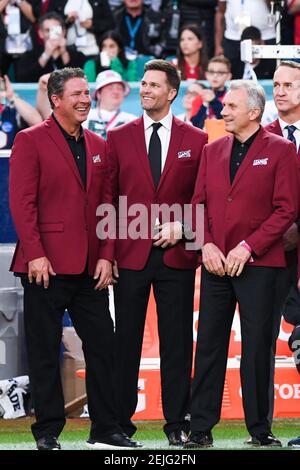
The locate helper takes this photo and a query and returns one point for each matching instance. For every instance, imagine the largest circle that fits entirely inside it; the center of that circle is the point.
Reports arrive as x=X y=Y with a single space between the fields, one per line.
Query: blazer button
x=229 y=199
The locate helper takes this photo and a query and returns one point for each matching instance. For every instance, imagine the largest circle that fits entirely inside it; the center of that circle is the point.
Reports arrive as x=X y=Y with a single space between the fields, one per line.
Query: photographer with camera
x=53 y=54
x=15 y=114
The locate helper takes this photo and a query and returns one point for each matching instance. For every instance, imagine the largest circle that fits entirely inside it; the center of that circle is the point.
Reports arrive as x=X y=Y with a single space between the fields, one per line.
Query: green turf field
x=15 y=434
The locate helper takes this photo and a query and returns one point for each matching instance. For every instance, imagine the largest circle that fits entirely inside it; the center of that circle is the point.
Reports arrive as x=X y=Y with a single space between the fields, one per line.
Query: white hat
x=107 y=77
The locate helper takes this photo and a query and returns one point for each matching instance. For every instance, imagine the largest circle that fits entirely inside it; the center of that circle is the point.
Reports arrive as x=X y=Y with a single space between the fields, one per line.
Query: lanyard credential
x=132 y=30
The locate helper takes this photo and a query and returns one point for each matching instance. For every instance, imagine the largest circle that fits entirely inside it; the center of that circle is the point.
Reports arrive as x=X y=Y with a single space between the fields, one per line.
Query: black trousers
x=174 y=295
x=254 y=291
x=281 y=290
x=89 y=311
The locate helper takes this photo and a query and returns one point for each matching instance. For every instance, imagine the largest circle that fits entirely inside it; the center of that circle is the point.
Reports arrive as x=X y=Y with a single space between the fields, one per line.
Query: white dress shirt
x=285 y=131
x=164 y=133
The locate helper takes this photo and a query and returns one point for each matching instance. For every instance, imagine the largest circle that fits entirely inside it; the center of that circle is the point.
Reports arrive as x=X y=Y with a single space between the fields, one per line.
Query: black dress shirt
x=77 y=148
x=239 y=151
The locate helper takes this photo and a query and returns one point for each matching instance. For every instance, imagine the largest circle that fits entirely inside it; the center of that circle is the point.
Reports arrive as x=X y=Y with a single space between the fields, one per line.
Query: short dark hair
x=58 y=78
x=51 y=15
x=173 y=75
x=289 y=63
x=220 y=59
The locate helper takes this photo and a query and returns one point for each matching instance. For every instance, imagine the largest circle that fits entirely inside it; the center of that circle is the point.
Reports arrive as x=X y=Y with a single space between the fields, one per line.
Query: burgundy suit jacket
x=54 y=215
x=131 y=177
x=275 y=128
x=260 y=204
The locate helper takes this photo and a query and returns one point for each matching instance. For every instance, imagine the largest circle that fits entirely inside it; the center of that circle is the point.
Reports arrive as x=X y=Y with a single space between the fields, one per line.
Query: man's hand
x=168 y=235
x=115 y=273
x=291 y=238
x=43 y=81
x=236 y=260
x=40 y=268
x=103 y=271
x=213 y=259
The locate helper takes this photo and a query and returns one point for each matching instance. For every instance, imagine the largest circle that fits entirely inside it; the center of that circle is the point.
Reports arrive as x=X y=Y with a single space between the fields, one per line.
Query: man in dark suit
x=287 y=100
x=154 y=161
x=58 y=178
x=248 y=183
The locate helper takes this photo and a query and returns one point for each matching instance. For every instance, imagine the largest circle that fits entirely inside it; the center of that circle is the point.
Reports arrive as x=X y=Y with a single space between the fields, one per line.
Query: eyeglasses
x=218 y=73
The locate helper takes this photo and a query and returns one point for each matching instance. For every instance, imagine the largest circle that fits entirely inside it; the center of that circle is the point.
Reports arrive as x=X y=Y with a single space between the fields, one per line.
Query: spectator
x=102 y=19
x=218 y=72
x=193 y=90
x=237 y=15
x=141 y=28
x=88 y=31
x=201 y=12
x=109 y=94
x=53 y=54
x=294 y=8
x=112 y=56
x=16 y=19
x=15 y=114
x=263 y=69
x=191 y=57
x=80 y=18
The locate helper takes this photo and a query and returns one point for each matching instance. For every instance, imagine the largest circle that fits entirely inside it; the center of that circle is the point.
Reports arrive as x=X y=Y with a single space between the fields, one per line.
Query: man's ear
x=172 y=94
x=55 y=100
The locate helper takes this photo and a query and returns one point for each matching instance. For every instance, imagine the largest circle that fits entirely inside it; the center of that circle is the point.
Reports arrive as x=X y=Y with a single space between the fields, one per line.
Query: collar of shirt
x=283 y=124
x=166 y=121
x=284 y=131
x=66 y=135
x=164 y=133
x=247 y=142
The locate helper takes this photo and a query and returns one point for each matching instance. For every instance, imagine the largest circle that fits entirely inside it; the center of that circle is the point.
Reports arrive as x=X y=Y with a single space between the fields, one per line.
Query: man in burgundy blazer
x=287 y=99
x=248 y=183
x=160 y=260
x=58 y=178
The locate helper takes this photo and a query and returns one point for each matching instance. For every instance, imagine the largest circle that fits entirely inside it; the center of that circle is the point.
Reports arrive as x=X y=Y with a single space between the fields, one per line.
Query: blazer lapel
x=138 y=137
x=226 y=156
x=177 y=132
x=275 y=128
x=258 y=144
x=88 y=150
x=62 y=146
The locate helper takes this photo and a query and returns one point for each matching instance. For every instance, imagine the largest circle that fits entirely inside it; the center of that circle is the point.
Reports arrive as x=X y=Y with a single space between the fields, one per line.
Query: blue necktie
x=291 y=137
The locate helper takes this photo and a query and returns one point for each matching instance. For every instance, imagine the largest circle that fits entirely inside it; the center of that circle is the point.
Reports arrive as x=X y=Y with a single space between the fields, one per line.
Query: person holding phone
x=53 y=54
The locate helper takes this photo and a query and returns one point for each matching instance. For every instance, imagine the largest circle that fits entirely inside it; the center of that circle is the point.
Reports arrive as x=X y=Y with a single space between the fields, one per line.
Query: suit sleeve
x=23 y=194
x=285 y=203
x=107 y=245
x=201 y=228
